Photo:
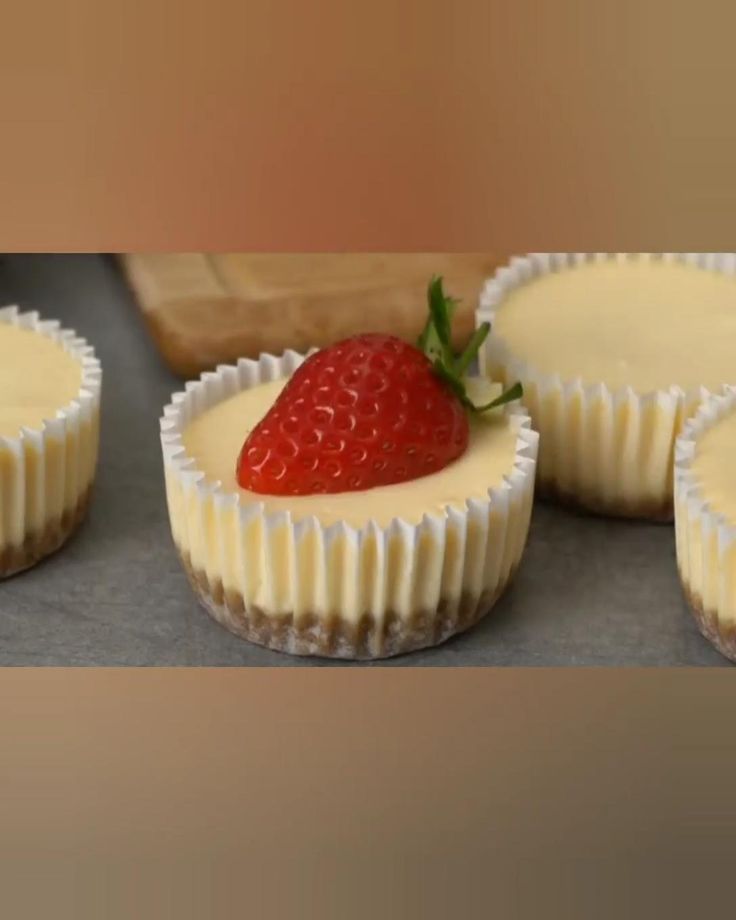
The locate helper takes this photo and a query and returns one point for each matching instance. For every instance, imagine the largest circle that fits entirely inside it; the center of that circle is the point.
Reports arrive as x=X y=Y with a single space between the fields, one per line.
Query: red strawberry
x=369 y=411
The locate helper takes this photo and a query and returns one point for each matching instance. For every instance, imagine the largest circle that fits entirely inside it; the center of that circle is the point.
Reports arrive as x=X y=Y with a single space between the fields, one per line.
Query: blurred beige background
x=291 y=126
x=411 y=794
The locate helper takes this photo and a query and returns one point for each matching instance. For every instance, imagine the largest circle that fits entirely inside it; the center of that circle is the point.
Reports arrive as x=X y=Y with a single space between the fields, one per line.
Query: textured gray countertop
x=589 y=592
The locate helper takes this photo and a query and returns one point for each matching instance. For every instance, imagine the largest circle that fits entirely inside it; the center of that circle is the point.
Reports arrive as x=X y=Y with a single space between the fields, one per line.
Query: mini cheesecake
x=705 y=518
x=615 y=352
x=356 y=574
x=362 y=501
x=49 y=422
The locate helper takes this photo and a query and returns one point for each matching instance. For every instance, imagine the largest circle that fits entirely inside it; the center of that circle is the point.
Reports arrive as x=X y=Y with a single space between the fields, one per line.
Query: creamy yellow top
x=639 y=322
x=714 y=467
x=214 y=440
x=37 y=377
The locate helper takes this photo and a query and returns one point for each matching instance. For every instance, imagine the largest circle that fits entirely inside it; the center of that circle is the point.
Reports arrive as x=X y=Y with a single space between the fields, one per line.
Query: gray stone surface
x=589 y=592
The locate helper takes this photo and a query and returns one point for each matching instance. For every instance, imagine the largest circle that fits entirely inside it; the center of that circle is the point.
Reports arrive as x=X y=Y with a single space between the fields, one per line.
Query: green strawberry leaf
x=436 y=342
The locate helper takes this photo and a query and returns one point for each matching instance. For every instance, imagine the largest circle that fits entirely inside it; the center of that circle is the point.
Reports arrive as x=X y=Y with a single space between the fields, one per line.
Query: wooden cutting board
x=203 y=310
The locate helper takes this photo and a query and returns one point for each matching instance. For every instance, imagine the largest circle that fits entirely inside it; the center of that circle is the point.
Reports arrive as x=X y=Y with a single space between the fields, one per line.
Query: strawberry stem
x=436 y=342
x=514 y=392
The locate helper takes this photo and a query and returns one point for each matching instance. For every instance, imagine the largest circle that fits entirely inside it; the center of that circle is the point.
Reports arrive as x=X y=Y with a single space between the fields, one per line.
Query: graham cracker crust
x=656 y=511
x=15 y=559
x=337 y=637
x=720 y=636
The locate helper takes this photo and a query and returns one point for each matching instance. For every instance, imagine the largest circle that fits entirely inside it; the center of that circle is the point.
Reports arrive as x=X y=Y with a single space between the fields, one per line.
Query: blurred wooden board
x=203 y=310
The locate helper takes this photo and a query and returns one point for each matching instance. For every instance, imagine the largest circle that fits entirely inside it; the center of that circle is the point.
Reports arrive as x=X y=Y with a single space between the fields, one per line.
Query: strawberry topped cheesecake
x=362 y=501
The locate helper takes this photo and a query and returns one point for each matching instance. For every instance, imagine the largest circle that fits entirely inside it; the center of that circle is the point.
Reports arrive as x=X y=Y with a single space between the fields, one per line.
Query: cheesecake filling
x=710 y=566
x=714 y=467
x=37 y=378
x=642 y=322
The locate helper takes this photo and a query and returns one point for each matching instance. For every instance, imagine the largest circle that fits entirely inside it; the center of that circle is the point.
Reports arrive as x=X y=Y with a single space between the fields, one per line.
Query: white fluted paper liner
x=705 y=538
x=259 y=562
x=609 y=450
x=46 y=473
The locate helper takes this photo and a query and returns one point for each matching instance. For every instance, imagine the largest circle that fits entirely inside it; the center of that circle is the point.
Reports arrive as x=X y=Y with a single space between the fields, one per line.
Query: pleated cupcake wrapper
x=607 y=448
x=281 y=565
x=46 y=472
x=705 y=538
